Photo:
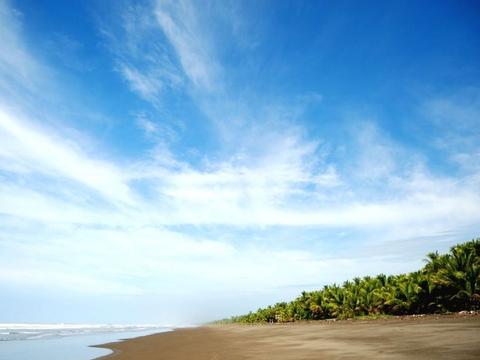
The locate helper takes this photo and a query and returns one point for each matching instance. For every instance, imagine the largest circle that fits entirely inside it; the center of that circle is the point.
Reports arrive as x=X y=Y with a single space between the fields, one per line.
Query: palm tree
x=462 y=274
x=447 y=282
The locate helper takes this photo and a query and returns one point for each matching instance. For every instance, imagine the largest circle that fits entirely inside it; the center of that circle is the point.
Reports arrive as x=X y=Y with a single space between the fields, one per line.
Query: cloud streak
x=180 y=24
x=38 y=152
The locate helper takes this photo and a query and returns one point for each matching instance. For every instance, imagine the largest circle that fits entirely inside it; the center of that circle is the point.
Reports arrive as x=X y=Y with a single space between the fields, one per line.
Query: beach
x=421 y=337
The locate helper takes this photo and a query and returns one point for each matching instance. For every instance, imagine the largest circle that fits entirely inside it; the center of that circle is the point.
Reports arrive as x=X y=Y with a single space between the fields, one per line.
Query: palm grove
x=449 y=282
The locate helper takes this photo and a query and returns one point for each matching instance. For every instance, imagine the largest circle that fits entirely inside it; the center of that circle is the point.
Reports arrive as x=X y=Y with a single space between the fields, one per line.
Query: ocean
x=65 y=341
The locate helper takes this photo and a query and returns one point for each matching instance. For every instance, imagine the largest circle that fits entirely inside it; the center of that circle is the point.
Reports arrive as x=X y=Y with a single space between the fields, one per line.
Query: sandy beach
x=430 y=337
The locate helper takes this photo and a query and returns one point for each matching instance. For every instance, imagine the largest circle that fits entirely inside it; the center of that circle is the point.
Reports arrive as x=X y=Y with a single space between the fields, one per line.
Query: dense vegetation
x=449 y=282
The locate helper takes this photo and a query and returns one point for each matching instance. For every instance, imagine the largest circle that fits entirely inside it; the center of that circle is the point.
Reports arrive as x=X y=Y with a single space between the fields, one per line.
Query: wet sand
x=442 y=337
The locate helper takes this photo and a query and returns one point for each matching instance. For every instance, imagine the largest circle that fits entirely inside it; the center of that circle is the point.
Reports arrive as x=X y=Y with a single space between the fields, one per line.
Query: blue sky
x=176 y=162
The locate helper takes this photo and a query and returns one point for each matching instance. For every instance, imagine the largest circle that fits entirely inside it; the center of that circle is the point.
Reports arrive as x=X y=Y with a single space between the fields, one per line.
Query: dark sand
x=442 y=337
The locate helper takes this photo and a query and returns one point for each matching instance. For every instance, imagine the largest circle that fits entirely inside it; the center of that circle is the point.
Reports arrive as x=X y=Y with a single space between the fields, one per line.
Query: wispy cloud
x=181 y=25
x=456 y=121
x=282 y=187
x=147 y=86
x=31 y=150
x=19 y=72
x=145 y=64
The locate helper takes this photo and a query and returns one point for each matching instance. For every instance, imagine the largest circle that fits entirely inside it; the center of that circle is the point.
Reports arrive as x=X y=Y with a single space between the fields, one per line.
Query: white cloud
x=149 y=127
x=182 y=27
x=16 y=63
x=280 y=187
x=139 y=55
x=456 y=121
x=39 y=151
x=73 y=281
x=376 y=154
x=159 y=131
x=104 y=249
x=147 y=86
x=459 y=112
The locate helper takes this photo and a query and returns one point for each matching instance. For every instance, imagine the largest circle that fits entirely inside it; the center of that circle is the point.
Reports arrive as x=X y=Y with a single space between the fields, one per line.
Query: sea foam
x=23 y=331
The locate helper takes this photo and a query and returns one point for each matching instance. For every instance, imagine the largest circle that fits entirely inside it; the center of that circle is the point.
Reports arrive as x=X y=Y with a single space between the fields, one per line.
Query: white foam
x=25 y=331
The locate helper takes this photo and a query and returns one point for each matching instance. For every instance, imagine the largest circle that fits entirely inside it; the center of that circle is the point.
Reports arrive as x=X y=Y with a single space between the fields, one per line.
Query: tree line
x=447 y=283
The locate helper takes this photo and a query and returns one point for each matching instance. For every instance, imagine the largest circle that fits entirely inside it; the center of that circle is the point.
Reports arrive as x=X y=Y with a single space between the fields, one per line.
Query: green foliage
x=449 y=282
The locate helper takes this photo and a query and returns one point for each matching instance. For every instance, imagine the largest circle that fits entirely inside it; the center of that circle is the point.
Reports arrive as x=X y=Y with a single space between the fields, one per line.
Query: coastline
x=416 y=337
x=113 y=353
x=111 y=345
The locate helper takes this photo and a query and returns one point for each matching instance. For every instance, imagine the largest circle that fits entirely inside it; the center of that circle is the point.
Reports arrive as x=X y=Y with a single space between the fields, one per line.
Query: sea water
x=64 y=341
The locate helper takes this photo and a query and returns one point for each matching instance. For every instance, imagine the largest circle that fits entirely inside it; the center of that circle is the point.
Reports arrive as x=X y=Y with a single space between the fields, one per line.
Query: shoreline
x=111 y=345
x=450 y=336
x=113 y=353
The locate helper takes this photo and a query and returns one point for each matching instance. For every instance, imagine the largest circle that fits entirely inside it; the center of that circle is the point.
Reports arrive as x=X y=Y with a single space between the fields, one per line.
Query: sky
x=175 y=162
